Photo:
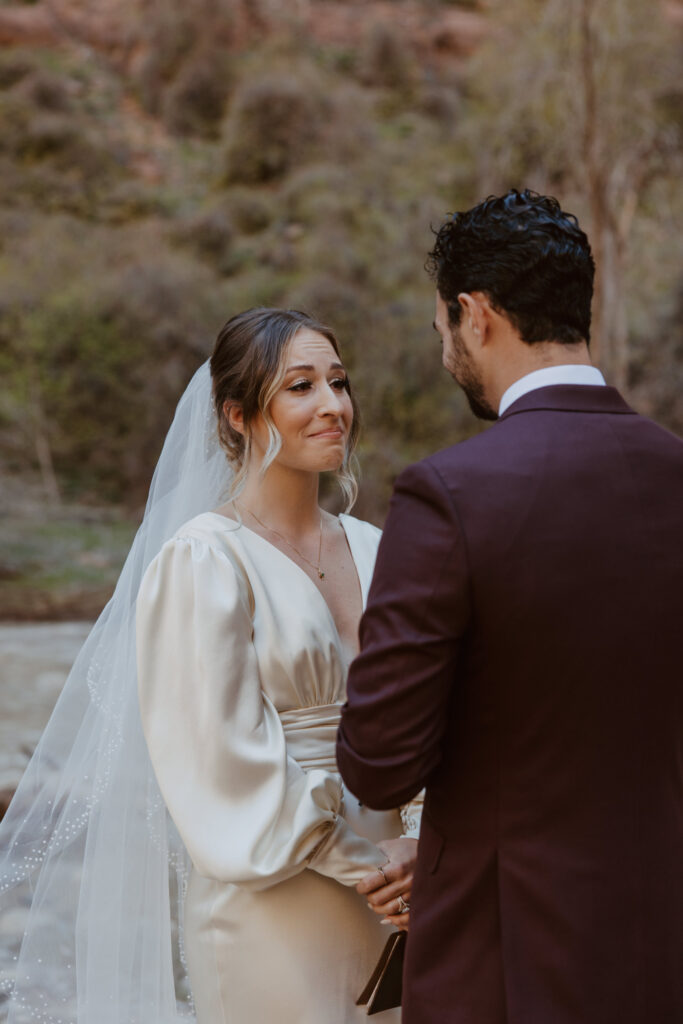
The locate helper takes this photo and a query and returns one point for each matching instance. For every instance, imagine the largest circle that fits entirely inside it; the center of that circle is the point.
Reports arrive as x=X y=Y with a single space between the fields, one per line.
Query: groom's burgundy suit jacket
x=522 y=658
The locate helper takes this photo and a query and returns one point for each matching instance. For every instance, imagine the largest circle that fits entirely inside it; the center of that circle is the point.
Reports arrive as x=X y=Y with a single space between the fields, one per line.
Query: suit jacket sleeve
x=418 y=610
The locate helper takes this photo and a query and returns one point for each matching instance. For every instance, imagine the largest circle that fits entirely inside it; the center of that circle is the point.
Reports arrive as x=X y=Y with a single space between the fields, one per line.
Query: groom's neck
x=516 y=358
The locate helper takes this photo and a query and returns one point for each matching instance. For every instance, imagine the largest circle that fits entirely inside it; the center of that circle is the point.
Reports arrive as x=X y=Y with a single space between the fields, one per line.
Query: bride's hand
x=382 y=888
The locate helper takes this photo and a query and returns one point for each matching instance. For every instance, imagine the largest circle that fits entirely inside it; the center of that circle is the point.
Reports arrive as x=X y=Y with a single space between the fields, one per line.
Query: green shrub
x=107 y=354
x=385 y=60
x=171 y=35
x=320 y=193
x=47 y=91
x=48 y=135
x=210 y=235
x=13 y=67
x=195 y=102
x=338 y=304
x=275 y=125
x=15 y=114
x=250 y=212
x=129 y=200
x=443 y=105
x=64 y=140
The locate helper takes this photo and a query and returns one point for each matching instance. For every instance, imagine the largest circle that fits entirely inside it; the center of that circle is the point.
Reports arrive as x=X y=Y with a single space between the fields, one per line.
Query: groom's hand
x=388 y=891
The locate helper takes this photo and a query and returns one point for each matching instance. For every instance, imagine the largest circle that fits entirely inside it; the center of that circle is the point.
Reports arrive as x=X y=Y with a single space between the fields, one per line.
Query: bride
x=208 y=745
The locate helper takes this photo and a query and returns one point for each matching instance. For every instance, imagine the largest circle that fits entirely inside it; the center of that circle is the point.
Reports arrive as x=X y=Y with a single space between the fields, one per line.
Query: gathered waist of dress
x=311 y=735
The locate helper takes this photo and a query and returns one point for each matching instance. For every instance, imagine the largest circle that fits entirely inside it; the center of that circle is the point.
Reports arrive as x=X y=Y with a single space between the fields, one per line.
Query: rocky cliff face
x=117 y=28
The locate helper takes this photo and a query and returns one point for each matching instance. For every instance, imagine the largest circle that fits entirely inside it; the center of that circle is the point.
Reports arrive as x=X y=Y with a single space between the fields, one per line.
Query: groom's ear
x=475 y=309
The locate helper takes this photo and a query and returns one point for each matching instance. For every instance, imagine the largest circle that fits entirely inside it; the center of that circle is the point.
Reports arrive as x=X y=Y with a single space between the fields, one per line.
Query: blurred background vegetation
x=167 y=163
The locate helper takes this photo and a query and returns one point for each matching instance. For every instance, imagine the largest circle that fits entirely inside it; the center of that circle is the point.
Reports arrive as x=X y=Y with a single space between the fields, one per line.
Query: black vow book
x=383 y=991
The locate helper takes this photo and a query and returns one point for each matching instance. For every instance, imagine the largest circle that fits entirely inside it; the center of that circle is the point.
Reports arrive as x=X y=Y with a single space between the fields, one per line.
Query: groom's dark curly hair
x=528 y=256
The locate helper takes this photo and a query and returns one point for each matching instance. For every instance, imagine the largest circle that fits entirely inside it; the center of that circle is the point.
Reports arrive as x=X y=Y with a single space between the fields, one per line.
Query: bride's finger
x=394 y=905
x=387 y=874
x=390 y=892
x=372 y=882
x=401 y=921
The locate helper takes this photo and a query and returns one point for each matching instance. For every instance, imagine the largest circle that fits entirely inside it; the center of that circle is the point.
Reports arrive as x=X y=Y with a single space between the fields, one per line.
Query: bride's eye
x=300 y=385
x=340 y=383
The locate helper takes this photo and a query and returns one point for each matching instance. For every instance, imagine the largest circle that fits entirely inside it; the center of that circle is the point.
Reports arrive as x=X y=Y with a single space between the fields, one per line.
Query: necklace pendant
x=321 y=574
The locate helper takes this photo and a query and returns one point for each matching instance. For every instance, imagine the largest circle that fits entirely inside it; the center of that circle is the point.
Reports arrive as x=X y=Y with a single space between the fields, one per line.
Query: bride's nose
x=330 y=402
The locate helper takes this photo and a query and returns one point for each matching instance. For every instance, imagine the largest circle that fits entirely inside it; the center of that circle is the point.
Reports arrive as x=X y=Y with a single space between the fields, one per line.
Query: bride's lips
x=332 y=432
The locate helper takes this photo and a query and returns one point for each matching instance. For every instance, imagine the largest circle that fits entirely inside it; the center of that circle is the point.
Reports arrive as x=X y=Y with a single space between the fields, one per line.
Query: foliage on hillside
x=140 y=211
x=594 y=115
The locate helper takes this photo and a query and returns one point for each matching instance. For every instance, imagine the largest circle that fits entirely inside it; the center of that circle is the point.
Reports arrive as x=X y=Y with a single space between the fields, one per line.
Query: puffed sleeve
x=411 y=816
x=246 y=811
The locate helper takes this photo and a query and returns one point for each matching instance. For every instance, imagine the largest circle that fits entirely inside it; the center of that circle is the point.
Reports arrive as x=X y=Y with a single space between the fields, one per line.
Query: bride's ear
x=234 y=415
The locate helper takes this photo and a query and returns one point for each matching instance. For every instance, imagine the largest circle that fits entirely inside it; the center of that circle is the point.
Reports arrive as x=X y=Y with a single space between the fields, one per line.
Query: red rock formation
x=29 y=26
x=113 y=26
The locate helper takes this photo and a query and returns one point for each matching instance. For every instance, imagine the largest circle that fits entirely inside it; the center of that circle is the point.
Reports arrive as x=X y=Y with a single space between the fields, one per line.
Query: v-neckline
x=363 y=591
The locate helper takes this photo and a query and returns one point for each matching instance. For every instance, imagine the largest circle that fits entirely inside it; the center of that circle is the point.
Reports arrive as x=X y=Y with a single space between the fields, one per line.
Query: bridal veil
x=91 y=867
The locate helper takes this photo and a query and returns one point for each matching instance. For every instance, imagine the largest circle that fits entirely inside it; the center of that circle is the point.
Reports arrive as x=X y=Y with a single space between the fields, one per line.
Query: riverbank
x=58 y=563
x=35 y=660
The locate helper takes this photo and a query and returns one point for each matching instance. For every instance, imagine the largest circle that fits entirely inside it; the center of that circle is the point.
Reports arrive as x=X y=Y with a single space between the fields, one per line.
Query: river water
x=34 y=662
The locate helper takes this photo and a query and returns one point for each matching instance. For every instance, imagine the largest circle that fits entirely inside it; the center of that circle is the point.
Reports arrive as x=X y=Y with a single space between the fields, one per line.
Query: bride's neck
x=284 y=499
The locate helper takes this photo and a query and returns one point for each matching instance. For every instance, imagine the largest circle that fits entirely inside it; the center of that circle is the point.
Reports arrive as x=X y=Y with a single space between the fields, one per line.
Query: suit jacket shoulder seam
x=509 y=413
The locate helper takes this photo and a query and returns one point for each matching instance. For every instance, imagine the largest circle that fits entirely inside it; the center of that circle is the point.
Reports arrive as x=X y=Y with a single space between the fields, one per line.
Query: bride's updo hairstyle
x=248 y=367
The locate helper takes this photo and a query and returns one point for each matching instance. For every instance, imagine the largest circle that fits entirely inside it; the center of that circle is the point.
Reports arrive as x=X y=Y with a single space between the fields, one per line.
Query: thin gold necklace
x=320 y=572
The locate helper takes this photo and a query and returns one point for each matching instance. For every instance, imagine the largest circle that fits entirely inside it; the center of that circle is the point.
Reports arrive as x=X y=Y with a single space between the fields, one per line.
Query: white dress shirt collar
x=571 y=373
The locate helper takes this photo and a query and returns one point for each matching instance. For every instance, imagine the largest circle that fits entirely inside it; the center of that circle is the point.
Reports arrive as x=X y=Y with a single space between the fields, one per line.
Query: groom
x=522 y=658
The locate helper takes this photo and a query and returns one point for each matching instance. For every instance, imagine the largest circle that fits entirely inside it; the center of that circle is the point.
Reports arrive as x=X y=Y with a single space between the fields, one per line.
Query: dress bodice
x=241 y=676
x=302 y=661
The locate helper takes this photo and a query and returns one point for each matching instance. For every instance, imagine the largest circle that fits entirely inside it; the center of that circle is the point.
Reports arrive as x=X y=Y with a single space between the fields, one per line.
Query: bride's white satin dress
x=241 y=679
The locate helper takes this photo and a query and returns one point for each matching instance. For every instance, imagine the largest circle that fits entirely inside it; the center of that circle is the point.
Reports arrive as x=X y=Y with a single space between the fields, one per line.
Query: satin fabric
x=241 y=679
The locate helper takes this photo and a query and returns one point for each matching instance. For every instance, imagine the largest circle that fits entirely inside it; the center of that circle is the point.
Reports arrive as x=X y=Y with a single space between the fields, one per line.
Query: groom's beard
x=465 y=373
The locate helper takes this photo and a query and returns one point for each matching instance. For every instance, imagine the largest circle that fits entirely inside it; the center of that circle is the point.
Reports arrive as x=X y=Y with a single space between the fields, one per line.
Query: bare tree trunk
x=610 y=330
x=613 y=313
x=42 y=443
x=595 y=184
x=622 y=353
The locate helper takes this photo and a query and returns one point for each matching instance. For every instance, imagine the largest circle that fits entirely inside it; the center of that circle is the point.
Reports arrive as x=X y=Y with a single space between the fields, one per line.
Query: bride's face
x=312 y=409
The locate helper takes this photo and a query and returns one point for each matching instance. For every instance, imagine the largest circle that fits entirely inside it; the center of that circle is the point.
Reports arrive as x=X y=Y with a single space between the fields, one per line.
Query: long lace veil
x=91 y=868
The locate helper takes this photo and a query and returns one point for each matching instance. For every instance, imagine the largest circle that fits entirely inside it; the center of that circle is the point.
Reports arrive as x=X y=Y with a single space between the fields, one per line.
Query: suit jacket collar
x=570 y=398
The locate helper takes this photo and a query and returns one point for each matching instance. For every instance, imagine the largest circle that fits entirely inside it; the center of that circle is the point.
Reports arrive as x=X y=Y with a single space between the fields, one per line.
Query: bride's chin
x=329 y=461
x=331 y=464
